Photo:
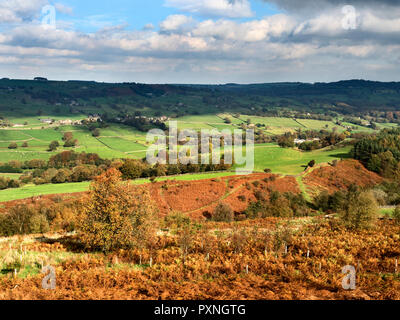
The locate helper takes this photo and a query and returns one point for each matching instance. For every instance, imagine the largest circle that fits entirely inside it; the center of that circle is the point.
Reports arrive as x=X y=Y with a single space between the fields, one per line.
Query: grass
x=386 y=212
x=290 y=161
x=28 y=191
x=123 y=145
x=279 y=160
x=121 y=141
x=11 y=175
x=29 y=263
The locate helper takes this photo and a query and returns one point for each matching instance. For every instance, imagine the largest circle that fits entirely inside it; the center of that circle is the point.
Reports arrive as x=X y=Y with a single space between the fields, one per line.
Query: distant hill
x=29 y=97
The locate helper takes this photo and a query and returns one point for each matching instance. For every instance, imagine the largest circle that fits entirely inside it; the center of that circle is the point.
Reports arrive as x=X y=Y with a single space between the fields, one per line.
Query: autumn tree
x=68 y=136
x=116 y=215
x=53 y=145
x=359 y=210
x=96 y=132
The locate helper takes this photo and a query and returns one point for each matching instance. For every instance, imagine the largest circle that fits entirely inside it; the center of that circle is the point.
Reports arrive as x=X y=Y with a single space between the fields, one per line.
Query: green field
x=32 y=190
x=279 y=160
x=121 y=141
x=290 y=161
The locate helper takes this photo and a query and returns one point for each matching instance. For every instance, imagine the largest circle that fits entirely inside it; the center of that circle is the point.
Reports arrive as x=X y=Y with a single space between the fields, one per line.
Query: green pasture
x=290 y=161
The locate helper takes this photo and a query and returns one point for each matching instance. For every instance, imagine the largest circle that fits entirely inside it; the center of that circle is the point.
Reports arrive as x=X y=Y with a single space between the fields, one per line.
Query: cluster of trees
x=70 y=166
x=380 y=152
x=357 y=208
x=40 y=217
x=7 y=183
x=14 y=145
x=140 y=123
x=278 y=205
x=69 y=142
x=52 y=175
x=134 y=169
x=314 y=139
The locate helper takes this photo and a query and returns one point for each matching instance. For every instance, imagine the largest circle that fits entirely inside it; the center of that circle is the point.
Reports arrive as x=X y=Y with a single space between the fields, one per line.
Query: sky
x=200 y=41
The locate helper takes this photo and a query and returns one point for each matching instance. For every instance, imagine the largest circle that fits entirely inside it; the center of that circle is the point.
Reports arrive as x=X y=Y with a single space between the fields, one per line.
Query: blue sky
x=89 y=16
x=201 y=41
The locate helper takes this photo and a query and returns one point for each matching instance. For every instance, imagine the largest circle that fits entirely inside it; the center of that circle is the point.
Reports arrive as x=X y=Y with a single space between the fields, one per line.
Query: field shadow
x=71 y=243
x=341 y=155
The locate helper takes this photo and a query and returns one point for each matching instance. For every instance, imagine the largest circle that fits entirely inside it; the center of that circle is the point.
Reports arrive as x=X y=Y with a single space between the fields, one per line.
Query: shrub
x=67 y=136
x=70 y=143
x=39 y=181
x=39 y=224
x=13 y=145
x=3 y=183
x=311 y=164
x=256 y=183
x=115 y=215
x=396 y=215
x=380 y=196
x=23 y=219
x=25 y=145
x=223 y=213
x=7 y=168
x=96 y=132
x=359 y=211
x=132 y=169
x=53 y=146
x=259 y=195
x=176 y=220
x=14 y=184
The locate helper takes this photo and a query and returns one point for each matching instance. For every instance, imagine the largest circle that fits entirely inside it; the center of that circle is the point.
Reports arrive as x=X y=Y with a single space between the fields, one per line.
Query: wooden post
x=396 y=264
x=308 y=253
x=151 y=262
x=247 y=269
x=140 y=259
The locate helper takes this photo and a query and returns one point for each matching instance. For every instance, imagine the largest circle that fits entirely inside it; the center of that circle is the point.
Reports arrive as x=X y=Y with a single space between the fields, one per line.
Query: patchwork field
x=120 y=141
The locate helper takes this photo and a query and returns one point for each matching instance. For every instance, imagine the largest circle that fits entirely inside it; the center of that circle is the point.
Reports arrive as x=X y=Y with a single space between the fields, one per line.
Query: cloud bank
x=289 y=46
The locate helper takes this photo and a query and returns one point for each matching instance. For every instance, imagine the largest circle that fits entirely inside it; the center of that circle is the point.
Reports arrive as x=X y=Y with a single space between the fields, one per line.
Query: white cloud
x=176 y=22
x=148 y=26
x=281 y=47
x=17 y=11
x=64 y=9
x=215 y=8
